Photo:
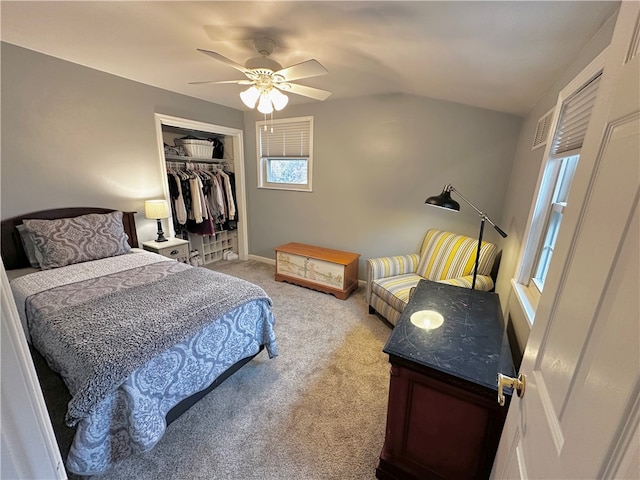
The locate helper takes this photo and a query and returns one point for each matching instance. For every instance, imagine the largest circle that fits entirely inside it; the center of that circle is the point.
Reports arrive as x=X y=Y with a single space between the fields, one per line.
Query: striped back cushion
x=448 y=255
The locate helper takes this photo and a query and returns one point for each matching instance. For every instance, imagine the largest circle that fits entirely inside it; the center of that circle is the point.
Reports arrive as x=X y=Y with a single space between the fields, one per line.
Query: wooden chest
x=323 y=269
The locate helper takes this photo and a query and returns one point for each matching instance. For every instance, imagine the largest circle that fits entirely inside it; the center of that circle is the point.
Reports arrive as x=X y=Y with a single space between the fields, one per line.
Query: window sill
x=524 y=300
x=291 y=189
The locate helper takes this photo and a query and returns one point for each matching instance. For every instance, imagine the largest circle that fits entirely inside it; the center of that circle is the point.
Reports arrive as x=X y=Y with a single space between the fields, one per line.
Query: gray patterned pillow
x=73 y=240
x=29 y=246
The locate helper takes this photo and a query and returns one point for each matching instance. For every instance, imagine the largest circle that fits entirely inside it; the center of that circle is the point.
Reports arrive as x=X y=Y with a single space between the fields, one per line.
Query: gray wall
x=524 y=177
x=74 y=136
x=376 y=160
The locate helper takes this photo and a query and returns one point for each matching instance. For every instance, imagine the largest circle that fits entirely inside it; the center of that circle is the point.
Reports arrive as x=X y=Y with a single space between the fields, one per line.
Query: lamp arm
x=451 y=188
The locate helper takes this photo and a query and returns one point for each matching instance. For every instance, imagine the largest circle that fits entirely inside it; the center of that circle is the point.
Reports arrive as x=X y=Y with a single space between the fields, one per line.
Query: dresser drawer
x=174 y=248
x=175 y=252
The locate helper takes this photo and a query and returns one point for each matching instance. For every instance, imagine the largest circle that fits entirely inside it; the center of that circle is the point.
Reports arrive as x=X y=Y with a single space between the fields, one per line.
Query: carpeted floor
x=317 y=411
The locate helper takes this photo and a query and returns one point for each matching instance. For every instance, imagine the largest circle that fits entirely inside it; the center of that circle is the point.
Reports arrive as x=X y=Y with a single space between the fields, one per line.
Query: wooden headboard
x=13 y=254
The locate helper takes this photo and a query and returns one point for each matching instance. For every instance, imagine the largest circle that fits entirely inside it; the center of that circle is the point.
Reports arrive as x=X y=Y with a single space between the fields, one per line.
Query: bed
x=136 y=337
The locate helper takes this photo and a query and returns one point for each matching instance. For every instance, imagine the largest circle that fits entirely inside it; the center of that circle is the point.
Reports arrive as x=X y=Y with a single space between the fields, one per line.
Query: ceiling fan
x=268 y=79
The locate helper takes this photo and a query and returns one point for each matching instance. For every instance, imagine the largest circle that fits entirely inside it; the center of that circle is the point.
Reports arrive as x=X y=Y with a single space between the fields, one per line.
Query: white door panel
x=579 y=415
x=609 y=374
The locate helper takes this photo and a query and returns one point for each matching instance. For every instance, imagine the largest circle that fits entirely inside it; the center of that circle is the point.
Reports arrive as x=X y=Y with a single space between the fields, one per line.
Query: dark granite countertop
x=470 y=344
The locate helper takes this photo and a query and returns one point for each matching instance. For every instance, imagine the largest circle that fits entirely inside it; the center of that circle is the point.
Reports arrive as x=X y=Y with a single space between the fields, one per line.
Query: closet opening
x=210 y=158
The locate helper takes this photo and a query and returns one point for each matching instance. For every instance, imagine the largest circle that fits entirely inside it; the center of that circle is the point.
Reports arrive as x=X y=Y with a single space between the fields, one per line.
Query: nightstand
x=175 y=248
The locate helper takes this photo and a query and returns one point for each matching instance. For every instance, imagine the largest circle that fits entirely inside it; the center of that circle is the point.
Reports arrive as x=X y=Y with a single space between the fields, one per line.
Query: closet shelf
x=213 y=247
x=185 y=158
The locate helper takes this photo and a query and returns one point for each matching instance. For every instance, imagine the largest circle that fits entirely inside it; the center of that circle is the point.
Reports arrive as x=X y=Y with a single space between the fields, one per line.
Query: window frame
x=564 y=169
x=264 y=160
x=525 y=289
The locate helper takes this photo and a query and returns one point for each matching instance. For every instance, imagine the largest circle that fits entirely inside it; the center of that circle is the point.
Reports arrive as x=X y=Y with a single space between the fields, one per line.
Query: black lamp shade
x=443 y=200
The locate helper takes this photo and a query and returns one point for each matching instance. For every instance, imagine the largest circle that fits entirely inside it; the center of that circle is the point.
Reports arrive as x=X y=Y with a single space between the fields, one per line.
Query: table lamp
x=157 y=209
x=444 y=200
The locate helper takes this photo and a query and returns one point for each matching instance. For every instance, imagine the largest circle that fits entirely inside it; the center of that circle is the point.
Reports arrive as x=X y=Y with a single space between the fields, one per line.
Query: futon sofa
x=444 y=257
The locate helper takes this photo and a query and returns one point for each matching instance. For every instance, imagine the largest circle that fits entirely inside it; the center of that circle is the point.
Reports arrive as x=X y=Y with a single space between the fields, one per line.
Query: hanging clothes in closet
x=202 y=198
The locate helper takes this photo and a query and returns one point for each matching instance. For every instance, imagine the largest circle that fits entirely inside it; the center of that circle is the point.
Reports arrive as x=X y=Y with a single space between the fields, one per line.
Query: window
x=562 y=182
x=285 y=153
x=576 y=102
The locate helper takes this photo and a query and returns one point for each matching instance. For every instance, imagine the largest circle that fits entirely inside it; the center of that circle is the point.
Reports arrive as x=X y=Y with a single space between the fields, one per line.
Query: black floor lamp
x=444 y=200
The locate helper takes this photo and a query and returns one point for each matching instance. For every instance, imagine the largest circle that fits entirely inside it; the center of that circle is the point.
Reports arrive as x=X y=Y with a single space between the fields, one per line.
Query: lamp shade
x=264 y=104
x=443 y=200
x=278 y=99
x=156 y=209
x=250 y=96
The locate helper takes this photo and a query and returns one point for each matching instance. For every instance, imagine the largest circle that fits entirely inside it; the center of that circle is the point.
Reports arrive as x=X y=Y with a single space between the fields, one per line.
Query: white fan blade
x=226 y=60
x=310 y=68
x=239 y=82
x=303 y=90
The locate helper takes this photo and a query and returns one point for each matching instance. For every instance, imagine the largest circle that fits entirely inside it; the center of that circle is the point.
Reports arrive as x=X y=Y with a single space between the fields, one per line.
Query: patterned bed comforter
x=133 y=343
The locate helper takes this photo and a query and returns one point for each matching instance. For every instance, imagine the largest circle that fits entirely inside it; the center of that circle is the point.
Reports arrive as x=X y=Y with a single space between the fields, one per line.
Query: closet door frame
x=238 y=168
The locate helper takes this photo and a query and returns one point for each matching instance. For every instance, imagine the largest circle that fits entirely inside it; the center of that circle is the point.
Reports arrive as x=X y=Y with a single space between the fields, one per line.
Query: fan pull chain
x=267 y=122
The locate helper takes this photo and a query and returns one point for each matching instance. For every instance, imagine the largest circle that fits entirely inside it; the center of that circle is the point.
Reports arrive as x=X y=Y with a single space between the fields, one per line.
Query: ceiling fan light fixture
x=264 y=75
x=278 y=99
x=264 y=105
x=250 y=96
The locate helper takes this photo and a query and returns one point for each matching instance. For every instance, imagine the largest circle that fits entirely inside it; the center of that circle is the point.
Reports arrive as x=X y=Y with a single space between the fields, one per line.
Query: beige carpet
x=317 y=411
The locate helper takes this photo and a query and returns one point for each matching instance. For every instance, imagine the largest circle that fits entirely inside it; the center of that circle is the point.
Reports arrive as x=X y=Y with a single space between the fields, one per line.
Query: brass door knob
x=518 y=384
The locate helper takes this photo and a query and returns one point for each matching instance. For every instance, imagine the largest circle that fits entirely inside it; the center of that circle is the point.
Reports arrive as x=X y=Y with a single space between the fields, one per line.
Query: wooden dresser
x=443 y=418
x=323 y=269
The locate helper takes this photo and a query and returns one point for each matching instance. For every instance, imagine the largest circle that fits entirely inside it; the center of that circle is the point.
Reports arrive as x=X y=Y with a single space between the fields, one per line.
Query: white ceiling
x=498 y=55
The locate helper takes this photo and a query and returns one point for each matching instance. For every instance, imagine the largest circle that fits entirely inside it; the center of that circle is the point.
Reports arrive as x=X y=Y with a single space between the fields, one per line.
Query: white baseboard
x=258 y=258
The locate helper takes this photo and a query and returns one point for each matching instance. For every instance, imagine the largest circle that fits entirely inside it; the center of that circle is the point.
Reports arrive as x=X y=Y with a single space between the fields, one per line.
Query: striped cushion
x=396 y=290
x=384 y=309
x=390 y=266
x=446 y=255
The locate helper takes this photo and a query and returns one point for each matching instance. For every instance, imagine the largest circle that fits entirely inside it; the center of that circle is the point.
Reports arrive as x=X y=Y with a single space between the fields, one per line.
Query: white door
x=28 y=447
x=579 y=414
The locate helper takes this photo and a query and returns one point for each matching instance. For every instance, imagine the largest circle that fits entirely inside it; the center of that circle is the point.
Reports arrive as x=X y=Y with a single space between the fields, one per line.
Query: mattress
x=128 y=351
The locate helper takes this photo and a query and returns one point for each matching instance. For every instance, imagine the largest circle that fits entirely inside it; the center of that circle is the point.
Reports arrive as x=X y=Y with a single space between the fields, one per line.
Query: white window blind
x=574 y=118
x=285 y=138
